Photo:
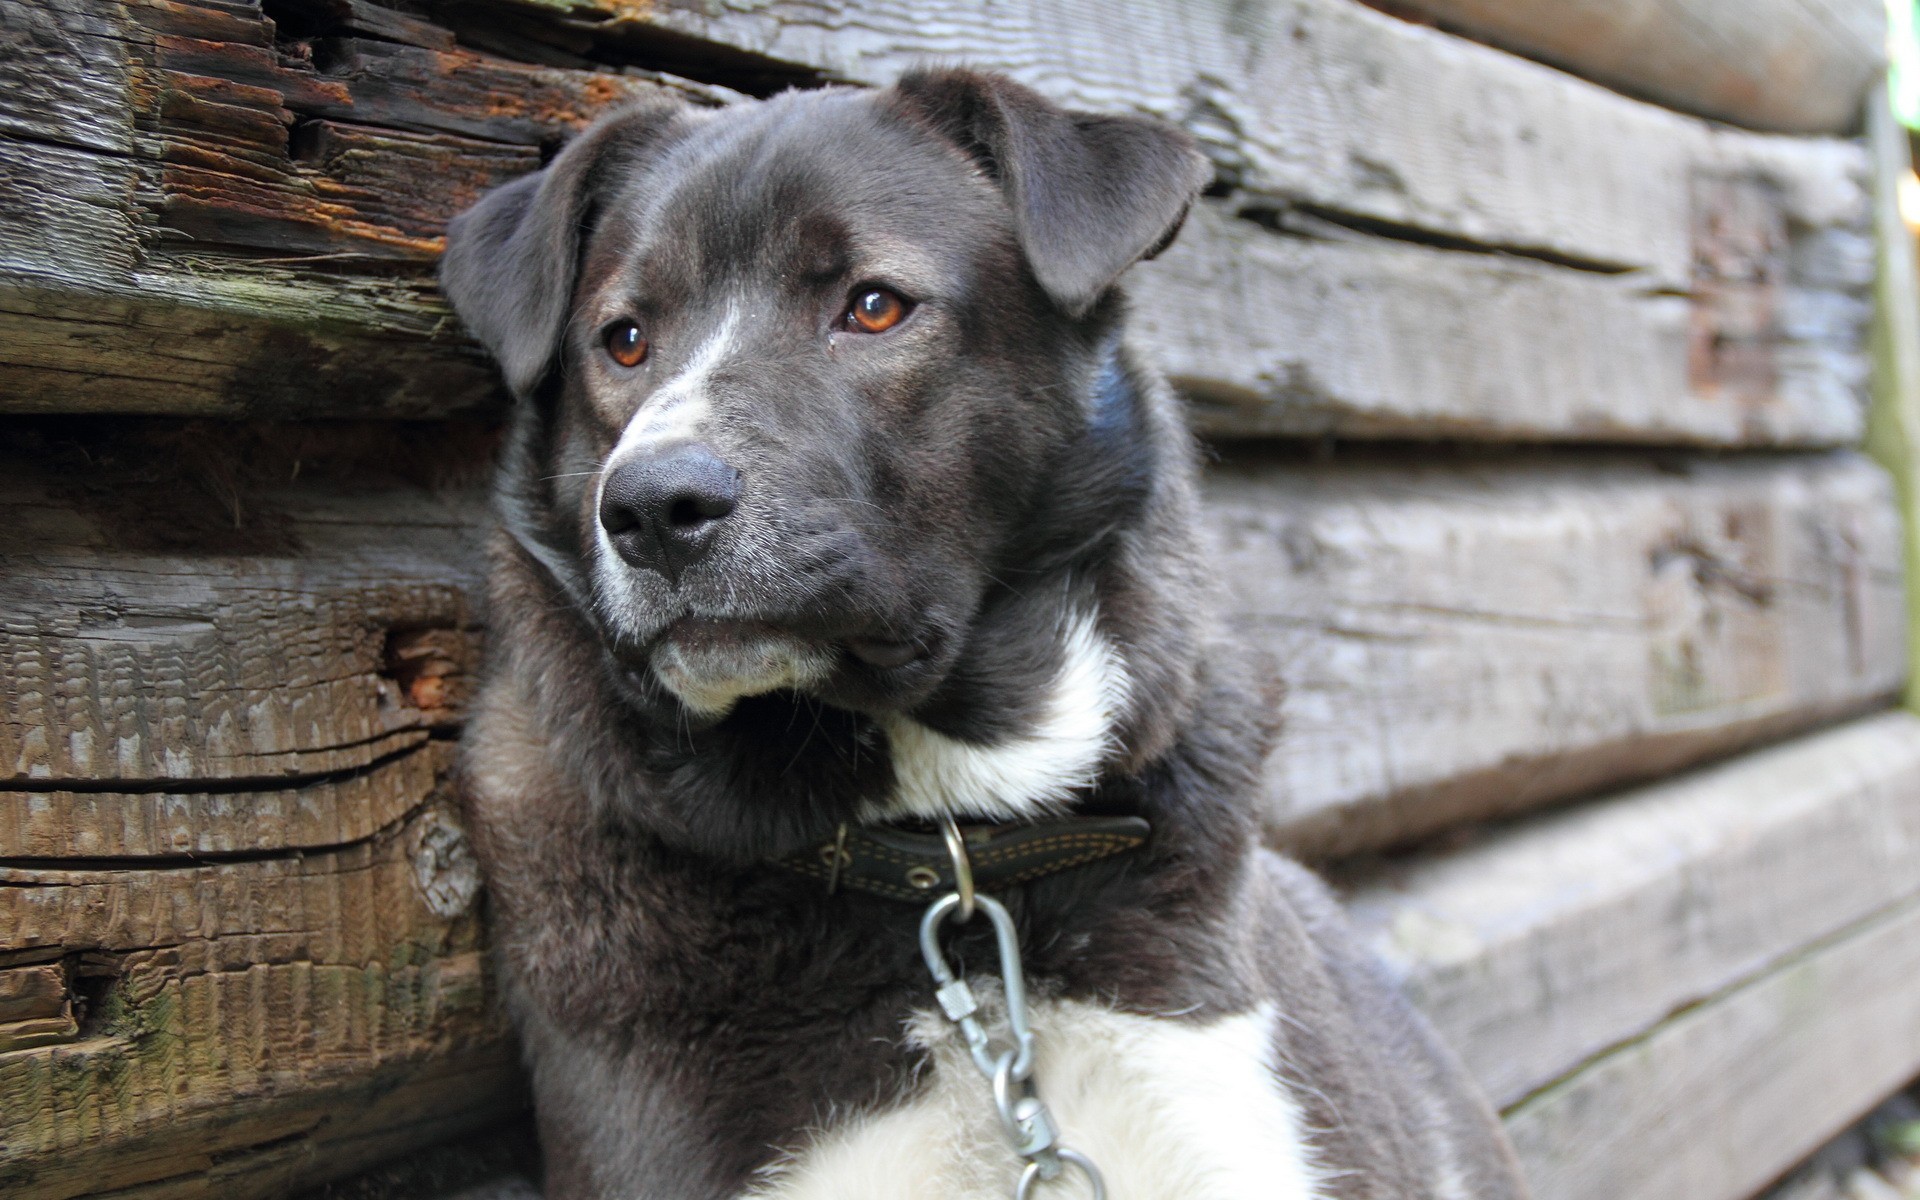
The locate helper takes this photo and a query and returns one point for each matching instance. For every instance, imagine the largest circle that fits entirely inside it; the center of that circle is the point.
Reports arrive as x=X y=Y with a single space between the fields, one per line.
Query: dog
x=848 y=563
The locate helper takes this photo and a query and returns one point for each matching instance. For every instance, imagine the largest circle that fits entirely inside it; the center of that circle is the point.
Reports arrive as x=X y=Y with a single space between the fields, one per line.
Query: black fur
x=922 y=510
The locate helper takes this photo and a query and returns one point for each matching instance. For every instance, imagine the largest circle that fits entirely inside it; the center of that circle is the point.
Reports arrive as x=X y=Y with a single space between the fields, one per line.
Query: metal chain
x=1026 y=1120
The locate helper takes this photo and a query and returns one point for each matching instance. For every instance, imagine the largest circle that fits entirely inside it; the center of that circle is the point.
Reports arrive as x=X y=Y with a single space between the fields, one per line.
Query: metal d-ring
x=962 y=867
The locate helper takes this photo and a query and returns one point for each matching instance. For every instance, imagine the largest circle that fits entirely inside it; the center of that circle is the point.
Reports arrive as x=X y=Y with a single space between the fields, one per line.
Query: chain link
x=1008 y=1062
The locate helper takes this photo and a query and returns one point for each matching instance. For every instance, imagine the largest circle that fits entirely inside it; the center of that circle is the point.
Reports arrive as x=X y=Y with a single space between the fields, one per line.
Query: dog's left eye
x=876 y=310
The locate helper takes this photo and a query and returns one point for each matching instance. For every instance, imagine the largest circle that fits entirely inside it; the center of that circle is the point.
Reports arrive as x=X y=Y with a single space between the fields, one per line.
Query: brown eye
x=876 y=310
x=625 y=345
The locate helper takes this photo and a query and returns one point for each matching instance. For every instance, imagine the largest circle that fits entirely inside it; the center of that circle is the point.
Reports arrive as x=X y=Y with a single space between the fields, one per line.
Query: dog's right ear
x=511 y=259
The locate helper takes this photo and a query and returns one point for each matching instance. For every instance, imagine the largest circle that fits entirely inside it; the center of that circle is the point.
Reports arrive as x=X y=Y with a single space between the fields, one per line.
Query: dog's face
x=811 y=377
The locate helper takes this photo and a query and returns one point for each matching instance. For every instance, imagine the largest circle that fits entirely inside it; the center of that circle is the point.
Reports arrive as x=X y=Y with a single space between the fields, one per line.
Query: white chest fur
x=1170 y=1110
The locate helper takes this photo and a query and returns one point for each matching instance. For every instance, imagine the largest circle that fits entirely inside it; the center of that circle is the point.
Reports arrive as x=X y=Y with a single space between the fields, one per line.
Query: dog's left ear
x=1091 y=193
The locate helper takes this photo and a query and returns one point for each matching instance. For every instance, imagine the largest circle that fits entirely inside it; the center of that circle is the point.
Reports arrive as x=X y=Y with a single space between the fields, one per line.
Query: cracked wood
x=1769 y=902
x=152 y=639
x=1318 y=330
x=1721 y=1100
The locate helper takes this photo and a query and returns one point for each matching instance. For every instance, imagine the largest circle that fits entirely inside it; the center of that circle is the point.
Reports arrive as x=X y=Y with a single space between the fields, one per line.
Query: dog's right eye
x=624 y=343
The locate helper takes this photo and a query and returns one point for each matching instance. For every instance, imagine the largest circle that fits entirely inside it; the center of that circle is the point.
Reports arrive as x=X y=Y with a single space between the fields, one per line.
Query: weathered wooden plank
x=241 y=1023
x=1473 y=638
x=1330 y=104
x=219 y=339
x=1722 y=1099
x=1793 y=66
x=1547 y=943
x=1317 y=330
x=151 y=635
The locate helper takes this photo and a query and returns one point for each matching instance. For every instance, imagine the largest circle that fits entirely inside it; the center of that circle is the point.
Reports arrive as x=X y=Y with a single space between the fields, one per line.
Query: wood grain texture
x=1313 y=329
x=1333 y=105
x=240 y=947
x=242 y=1024
x=1722 y=1099
x=142 y=651
x=1550 y=942
x=1465 y=640
x=341 y=807
x=1793 y=66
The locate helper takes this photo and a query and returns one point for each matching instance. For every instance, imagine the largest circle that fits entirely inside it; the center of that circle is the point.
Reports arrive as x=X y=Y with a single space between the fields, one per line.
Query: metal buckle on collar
x=1008 y=1065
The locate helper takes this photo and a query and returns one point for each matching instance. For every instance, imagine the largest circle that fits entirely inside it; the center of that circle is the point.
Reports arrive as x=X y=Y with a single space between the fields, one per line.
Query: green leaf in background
x=1903 y=53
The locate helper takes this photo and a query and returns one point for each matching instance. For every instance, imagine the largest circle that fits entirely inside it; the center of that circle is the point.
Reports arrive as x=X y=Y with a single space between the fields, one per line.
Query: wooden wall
x=1535 y=397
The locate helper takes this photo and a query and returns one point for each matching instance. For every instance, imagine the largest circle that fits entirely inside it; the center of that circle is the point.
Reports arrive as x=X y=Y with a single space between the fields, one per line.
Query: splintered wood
x=277 y=187
x=240 y=939
x=278 y=200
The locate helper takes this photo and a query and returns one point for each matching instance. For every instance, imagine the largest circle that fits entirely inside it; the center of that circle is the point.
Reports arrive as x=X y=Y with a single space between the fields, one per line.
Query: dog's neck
x=1069 y=736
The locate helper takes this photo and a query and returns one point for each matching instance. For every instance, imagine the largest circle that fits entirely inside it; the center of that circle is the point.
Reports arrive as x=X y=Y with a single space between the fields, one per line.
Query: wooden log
x=240 y=218
x=1546 y=944
x=1330 y=104
x=344 y=806
x=155 y=636
x=239 y=944
x=1647 y=617
x=1793 y=66
x=235 y=1024
x=1316 y=330
x=1468 y=639
x=1722 y=1099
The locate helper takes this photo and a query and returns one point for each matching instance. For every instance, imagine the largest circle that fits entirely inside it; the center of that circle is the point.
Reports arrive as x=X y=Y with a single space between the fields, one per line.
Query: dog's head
x=811 y=388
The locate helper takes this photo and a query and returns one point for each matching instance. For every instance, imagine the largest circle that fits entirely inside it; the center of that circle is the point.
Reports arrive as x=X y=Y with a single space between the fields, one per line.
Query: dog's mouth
x=709 y=663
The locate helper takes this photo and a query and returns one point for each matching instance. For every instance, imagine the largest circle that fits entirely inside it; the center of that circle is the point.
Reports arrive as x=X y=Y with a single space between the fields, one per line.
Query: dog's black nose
x=661 y=509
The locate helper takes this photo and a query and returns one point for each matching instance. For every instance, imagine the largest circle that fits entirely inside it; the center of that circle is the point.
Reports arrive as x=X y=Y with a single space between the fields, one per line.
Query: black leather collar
x=902 y=864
